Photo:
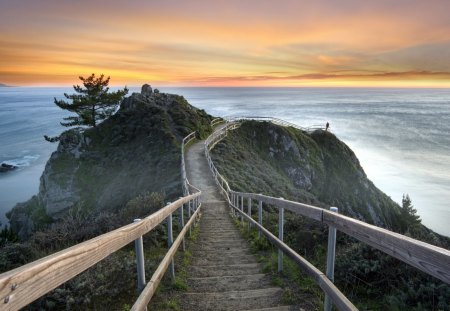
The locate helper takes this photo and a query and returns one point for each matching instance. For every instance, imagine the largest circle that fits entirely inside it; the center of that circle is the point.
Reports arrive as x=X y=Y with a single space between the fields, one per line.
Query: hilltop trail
x=224 y=274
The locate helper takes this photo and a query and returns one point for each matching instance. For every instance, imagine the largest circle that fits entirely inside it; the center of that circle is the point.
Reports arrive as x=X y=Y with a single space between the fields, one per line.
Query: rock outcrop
x=134 y=151
x=315 y=168
x=4 y=167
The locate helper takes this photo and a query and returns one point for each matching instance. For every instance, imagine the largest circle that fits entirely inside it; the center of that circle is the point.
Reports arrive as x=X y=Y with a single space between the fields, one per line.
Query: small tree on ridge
x=92 y=102
x=409 y=217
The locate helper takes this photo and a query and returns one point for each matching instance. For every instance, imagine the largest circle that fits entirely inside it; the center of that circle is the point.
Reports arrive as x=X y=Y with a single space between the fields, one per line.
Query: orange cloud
x=228 y=43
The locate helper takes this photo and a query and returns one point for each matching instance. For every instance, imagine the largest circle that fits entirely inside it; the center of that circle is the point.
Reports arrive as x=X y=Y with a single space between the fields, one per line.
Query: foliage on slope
x=314 y=168
x=319 y=169
x=100 y=169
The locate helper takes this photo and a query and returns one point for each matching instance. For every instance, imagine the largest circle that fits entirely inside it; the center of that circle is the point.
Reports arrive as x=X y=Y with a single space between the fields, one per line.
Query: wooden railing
x=431 y=259
x=276 y=121
x=23 y=285
x=216 y=121
x=184 y=181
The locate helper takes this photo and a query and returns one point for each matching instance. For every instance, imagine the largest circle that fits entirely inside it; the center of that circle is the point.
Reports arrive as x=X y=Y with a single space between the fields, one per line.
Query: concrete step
x=229 y=283
x=224 y=270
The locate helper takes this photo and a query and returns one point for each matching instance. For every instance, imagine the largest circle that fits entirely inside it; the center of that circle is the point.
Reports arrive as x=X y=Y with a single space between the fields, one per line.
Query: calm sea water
x=401 y=136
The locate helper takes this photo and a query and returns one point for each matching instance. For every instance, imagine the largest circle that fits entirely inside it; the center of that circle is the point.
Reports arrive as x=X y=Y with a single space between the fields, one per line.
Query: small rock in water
x=7 y=167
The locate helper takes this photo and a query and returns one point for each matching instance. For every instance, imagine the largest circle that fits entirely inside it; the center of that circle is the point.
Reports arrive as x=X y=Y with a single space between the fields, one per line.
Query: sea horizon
x=354 y=113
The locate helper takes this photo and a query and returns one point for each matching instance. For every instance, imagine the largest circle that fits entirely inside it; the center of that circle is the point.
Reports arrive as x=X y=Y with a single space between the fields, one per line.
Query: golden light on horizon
x=203 y=43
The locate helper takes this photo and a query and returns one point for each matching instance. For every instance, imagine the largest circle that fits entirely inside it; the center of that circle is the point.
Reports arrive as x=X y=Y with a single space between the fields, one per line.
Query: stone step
x=280 y=308
x=218 y=241
x=233 y=300
x=224 y=270
x=221 y=238
x=235 y=252
x=224 y=260
x=220 y=248
x=229 y=283
x=209 y=233
x=218 y=229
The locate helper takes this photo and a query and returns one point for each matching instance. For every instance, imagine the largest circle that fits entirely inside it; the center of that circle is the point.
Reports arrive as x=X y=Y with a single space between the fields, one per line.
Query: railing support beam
x=169 y=244
x=189 y=217
x=242 y=210
x=139 y=248
x=331 y=254
x=260 y=216
x=249 y=210
x=280 y=236
x=182 y=225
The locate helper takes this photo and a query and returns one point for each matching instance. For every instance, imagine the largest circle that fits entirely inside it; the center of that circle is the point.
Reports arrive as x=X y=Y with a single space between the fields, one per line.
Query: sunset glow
x=227 y=43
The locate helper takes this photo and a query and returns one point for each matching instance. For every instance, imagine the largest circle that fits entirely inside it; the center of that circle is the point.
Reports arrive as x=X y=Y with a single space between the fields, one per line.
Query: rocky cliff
x=100 y=169
x=315 y=168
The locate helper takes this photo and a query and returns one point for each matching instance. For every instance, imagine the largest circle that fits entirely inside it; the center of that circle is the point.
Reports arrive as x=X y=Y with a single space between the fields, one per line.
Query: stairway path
x=224 y=274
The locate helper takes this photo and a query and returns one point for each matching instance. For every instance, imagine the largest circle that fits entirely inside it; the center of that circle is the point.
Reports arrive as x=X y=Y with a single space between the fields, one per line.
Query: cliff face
x=98 y=169
x=315 y=168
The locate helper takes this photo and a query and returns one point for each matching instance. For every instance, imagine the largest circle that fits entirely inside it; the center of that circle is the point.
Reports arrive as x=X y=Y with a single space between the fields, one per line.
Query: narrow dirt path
x=224 y=274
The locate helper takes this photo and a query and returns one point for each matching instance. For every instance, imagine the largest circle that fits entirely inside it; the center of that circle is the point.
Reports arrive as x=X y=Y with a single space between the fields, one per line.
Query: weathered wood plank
x=428 y=258
x=150 y=289
x=296 y=207
x=21 y=286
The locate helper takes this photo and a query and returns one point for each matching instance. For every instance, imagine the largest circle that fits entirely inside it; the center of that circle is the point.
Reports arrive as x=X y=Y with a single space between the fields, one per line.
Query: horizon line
x=237 y=86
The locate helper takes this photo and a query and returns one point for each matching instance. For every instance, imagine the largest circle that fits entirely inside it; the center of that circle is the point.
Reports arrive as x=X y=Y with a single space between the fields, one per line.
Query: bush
x=143 y=206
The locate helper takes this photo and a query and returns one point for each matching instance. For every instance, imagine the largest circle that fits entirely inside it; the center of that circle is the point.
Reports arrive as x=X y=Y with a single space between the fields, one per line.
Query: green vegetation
x=133 y=152
x=127 y=167
x=410 y=221
x=92 y=104
x=319 y=169
x=298 y=289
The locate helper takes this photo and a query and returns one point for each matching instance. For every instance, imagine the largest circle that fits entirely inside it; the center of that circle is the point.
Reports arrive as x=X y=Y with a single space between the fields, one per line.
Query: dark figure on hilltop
x=327 y=126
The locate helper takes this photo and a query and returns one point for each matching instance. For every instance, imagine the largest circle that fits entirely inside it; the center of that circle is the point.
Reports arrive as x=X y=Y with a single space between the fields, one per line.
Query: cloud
x=335 y=76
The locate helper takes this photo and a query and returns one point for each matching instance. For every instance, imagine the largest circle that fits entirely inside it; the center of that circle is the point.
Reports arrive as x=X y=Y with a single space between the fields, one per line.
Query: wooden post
x=139 y=248
x=280 y=236
x=331 y=253
x=169 y=243
x=260 y=216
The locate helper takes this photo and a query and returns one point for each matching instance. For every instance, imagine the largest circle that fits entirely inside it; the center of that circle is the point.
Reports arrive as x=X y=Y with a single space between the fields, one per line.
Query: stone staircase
x=224 y=274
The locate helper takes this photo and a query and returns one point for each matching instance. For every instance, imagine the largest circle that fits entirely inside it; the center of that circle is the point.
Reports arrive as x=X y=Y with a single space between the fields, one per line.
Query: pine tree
x=409 y=216
x=92 y=103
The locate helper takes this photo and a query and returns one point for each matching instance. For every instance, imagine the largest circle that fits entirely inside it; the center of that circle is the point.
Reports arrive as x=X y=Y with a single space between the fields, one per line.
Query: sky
x=397 y=43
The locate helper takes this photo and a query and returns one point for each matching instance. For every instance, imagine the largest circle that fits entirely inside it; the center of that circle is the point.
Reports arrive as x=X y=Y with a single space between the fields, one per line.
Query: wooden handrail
x=184 y=181
x=275 y=121
x=23 y=285
x=430 y=259
x=150 y=289
x=327 y=286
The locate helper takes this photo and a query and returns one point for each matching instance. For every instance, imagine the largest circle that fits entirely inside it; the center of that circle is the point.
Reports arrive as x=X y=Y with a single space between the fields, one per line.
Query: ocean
x=401 y=136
